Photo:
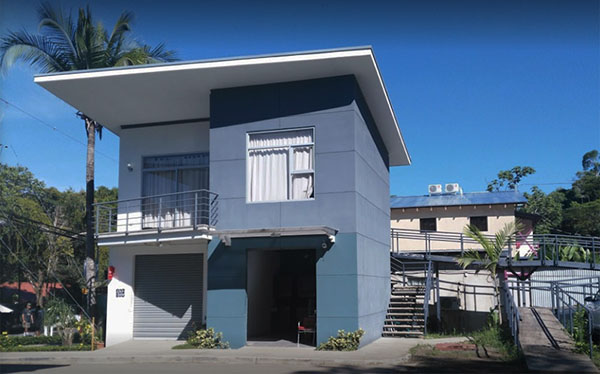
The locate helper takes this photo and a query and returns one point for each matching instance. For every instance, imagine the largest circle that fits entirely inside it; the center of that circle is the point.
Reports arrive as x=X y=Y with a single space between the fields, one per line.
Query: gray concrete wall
x=351 y=195
x=372 y=215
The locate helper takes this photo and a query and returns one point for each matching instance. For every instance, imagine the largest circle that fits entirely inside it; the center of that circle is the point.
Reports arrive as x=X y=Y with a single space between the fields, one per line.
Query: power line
x=546 y=184
x=50 y=229
x=6 y=146
x=54 y=128
x=53 y=274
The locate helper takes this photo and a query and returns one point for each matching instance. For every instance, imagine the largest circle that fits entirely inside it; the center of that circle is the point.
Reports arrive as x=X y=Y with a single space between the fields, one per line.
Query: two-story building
x=254 y=193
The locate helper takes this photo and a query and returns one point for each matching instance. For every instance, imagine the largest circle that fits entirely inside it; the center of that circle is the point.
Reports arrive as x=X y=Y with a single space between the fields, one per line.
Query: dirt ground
x=427 y=359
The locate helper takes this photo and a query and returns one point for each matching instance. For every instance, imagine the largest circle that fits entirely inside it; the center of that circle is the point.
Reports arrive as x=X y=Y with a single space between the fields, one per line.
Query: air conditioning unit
x=435 y=189
x=452 y=188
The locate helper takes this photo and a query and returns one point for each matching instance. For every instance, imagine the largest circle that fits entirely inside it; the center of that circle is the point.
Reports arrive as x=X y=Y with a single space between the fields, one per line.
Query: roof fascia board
x=208 y=64
x=389 y=105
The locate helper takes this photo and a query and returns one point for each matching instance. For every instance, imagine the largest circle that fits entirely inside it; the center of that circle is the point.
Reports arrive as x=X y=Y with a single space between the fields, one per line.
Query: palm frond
x=134 y=56
x=58 y=28
x=468 y=258
x=160 y=54
x=117 y=37
x=474 y=233
x=34 y=49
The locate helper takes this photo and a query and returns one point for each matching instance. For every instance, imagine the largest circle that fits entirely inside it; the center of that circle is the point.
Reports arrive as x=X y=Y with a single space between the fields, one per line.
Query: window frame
x=290 y=171
x=427 y=218
x=487 y=227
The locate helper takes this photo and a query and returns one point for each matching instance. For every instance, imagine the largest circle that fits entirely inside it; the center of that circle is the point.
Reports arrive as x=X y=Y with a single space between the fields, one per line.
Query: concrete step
x=395 y=327
x=398 y=334
x=396 y=291
x=411 y=310
x=407 y=314
x=401 y=320
x=409 y=303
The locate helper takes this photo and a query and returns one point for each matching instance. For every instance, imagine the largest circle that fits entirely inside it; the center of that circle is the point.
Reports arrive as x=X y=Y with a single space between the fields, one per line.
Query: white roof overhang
x=180 y=91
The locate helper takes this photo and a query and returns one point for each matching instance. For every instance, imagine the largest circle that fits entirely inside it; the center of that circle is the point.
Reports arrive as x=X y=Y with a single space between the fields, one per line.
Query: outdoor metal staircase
x=405 y=315
x=410 y=287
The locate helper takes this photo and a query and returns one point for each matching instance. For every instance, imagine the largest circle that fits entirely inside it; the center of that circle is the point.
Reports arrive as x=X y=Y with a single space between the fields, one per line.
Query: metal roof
x=470 y=198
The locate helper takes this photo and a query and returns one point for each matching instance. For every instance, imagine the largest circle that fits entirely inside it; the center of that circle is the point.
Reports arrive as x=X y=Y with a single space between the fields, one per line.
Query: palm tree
x=492 y=250
x=64 y=44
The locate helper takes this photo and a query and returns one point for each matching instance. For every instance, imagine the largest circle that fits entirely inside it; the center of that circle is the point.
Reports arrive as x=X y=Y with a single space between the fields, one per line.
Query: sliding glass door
x=169 y=185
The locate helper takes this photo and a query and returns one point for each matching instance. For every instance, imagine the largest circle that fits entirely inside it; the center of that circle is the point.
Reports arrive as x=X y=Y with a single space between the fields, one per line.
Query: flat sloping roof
x=181 y=91
x=469 y=198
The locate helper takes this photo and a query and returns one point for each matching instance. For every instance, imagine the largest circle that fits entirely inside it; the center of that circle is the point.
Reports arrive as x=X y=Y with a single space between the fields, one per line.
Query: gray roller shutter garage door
x=168 y=295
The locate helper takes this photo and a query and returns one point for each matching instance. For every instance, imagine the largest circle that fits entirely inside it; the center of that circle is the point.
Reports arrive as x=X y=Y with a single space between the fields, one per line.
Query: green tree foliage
x=510 y=179
x=591 y=162
x=64 y=43
x=490 y=256
x=32 y=217
x=583 y=219
x=574 y=210
x=547 y=206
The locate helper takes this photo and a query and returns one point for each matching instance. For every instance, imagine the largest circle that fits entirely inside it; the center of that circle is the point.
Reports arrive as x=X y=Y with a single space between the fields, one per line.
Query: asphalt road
x=176 y=368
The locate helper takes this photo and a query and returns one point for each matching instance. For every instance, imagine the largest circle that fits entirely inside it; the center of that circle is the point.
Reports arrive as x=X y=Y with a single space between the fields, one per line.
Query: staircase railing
x=567 y=306
x=428 y=287
x=412 y=271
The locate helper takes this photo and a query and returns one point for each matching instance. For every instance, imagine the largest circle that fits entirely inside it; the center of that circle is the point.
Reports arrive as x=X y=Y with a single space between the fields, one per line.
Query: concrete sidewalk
x=385 y=351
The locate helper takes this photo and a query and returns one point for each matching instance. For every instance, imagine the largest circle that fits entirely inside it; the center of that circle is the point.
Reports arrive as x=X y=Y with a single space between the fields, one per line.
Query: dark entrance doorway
x=281 y=288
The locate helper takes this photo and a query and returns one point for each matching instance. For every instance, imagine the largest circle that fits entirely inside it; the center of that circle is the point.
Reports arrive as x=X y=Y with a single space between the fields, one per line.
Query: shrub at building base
x=60 y=314
x=345 y=341
x=37 y=344
x=207 y=339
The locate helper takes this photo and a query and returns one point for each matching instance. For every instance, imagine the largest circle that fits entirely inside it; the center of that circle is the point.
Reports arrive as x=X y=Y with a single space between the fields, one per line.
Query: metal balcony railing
x=550 y=249
x=190 y=209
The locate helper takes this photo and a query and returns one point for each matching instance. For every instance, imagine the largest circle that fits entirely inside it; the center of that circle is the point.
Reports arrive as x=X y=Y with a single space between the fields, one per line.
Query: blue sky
x=477 y=86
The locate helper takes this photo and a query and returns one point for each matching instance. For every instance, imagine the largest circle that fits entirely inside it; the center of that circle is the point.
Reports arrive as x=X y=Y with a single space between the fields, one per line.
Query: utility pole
x=90 y=247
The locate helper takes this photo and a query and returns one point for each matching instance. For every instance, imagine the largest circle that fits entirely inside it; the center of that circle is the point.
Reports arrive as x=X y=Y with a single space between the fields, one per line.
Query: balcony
x=174 y=216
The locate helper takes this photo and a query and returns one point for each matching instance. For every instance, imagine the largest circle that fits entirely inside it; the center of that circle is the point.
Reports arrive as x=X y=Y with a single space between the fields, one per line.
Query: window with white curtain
x=169 y=175
x=281 y=165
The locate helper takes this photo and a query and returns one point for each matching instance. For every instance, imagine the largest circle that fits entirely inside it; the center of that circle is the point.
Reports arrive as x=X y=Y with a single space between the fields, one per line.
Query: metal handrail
x=512 y=313
x=195 y=208
x=566 y=317
x=564 y=302
x=545 y=248
x=153 y=196
x=428 y=287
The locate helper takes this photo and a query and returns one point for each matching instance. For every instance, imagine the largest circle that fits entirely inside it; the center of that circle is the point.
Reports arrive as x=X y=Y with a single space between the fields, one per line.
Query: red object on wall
x=111 y=272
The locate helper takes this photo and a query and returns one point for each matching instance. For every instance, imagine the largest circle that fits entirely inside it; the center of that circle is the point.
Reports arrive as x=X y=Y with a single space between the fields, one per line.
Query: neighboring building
x=438 y=220
x=254 y=193
x=452 y=212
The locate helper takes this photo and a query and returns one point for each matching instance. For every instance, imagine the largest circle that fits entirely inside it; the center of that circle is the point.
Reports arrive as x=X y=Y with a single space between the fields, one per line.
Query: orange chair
x=308 y=326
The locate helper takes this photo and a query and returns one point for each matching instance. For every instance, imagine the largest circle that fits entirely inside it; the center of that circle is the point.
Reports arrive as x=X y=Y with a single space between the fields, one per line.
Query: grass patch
x=437 y=335
x=183 y=346
x=492 y=341
x=499 y=340
x=428 y=350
